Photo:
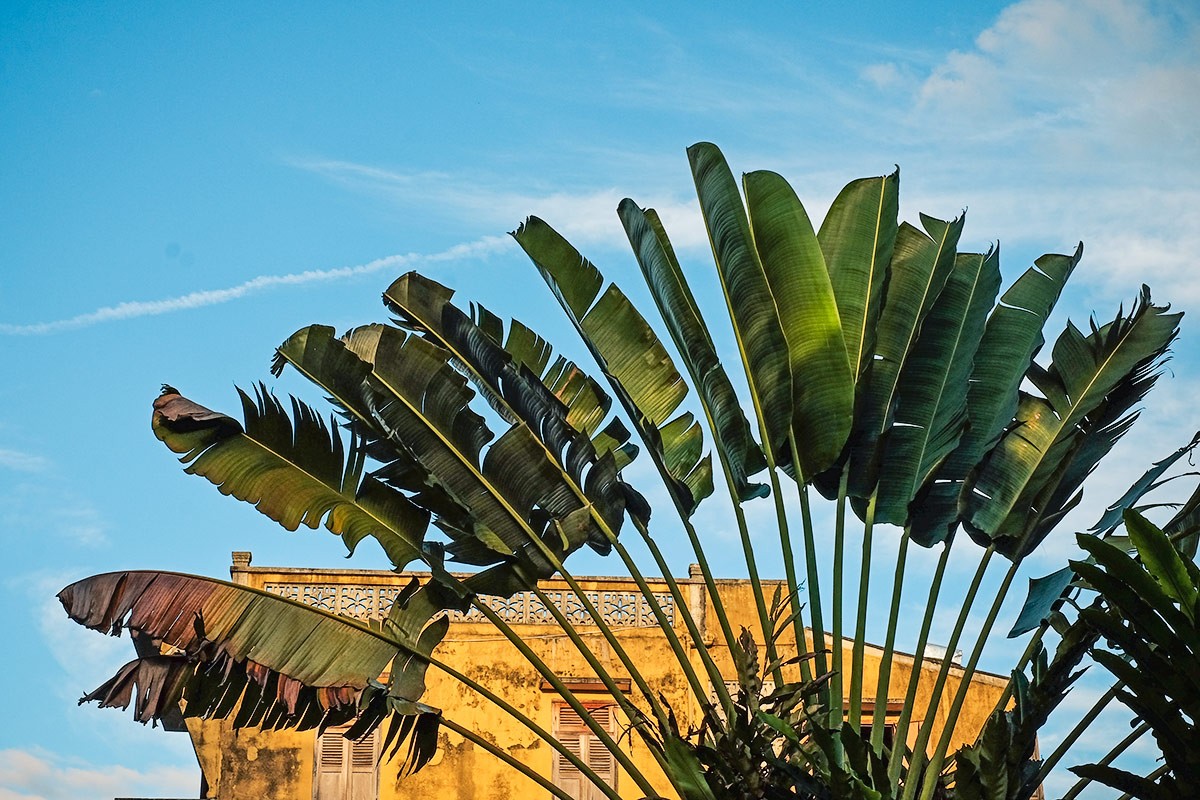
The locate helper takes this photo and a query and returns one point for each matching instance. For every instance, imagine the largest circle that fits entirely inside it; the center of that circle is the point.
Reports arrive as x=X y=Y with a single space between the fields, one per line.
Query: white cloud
x=1097 y=79
x=50 y=509
x=143 y=308
x=586 y=218
x=35 y=774
x=886 y=75
x=22 y=462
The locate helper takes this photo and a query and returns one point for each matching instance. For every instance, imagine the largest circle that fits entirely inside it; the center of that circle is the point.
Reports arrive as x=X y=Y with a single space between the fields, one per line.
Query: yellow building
x=299 y=766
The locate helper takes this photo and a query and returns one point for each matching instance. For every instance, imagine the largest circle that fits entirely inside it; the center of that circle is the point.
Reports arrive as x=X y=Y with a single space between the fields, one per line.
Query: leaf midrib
x=353 y=501
x=945 y=376
x=584 y=501
x=458 y=454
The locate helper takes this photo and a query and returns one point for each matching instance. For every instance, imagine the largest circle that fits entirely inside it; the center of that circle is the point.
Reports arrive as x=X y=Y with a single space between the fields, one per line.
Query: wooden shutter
x=345 y=769
x=579 y=739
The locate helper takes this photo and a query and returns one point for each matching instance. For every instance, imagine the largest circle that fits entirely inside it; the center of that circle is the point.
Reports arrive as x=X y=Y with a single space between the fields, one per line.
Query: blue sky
x=182 y=188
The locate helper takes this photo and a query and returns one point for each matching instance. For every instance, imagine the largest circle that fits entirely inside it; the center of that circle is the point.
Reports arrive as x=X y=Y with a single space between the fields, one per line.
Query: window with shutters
x=346 y=769
x=578 y=738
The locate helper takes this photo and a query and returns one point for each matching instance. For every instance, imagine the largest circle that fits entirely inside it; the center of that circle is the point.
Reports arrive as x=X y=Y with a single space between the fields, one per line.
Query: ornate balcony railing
x=367 y=601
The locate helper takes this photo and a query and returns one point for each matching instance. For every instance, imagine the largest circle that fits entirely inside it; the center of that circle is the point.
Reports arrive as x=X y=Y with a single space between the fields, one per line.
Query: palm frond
x=295 y=471
x=798 y=281
x=1012 y=338
x=931 y=411
x=416 y=405
x=919 y=268
x=1002 y=503
x=688 y=330
x=752 y=310
x=642 y=374
x=515 y=374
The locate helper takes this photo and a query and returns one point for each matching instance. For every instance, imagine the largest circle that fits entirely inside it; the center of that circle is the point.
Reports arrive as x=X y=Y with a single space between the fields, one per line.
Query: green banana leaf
x=514 y=373
x=931 y=408
x=857 y=238
x=1085 y=369
x=1150 y=624
x=1044 y=594
x=1012 y=338
x=515 y=388
x=679 y=311
x=631 y=356
x=798 y=280
x=296 y=473
x=1001 y=763
x=1114 y=514
x=1163 y=561
x=416 y=404
x=921 y=263
x=1059 y=491
x=752 y=309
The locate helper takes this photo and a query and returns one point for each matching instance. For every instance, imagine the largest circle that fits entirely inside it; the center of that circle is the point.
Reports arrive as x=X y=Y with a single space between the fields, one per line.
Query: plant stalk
x=939 y=755
x=793 y=587
x=553 y=679
x=839 y=546
x=503 y=755
x=760 y=600
x=714 y=673
x=1023 y=662
x=1052 y=760
x=883 y=685
x=914 y=678
x=528 y=723
x=1111 y=756
x=919 y=757
x=860 y=628
x=814 y=585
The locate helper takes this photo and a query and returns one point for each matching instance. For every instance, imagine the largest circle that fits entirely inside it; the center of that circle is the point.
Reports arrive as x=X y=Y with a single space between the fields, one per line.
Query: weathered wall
x=250 y=764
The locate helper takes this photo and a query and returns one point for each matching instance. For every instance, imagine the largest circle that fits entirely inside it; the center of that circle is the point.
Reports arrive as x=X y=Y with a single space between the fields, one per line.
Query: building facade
x=293 y=765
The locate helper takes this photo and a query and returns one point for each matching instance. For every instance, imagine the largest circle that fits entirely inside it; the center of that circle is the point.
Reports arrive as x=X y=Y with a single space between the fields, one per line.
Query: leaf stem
x=1052 y=760
x=793 y=588
x=814 y=584
x=860 y=627
x=919 y=757
x=914 y=678
x=1022 y=662
x=883 y=685
x=714 y=674
x=964 y=685
x=528 y=723
x=507 y=758
x=556 y=682
x=1111 y=756
x=760 y=600
x=839 y=546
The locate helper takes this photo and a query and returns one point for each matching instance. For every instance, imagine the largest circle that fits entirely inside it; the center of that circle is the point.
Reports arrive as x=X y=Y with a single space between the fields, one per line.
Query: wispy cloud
x=587 y=217
x=1078 y=80
x=34 y=774
x=22 y=462
x=82 y=657
x=40 y=501
x=208 y=297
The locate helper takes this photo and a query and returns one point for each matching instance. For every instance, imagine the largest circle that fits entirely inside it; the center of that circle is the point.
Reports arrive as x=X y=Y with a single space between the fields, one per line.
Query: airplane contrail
x=209 y=297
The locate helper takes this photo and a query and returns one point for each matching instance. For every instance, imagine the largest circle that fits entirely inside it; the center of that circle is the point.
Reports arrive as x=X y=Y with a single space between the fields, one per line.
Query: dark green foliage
x=1149 y=621
x=764 y=748
x=1000 y=765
